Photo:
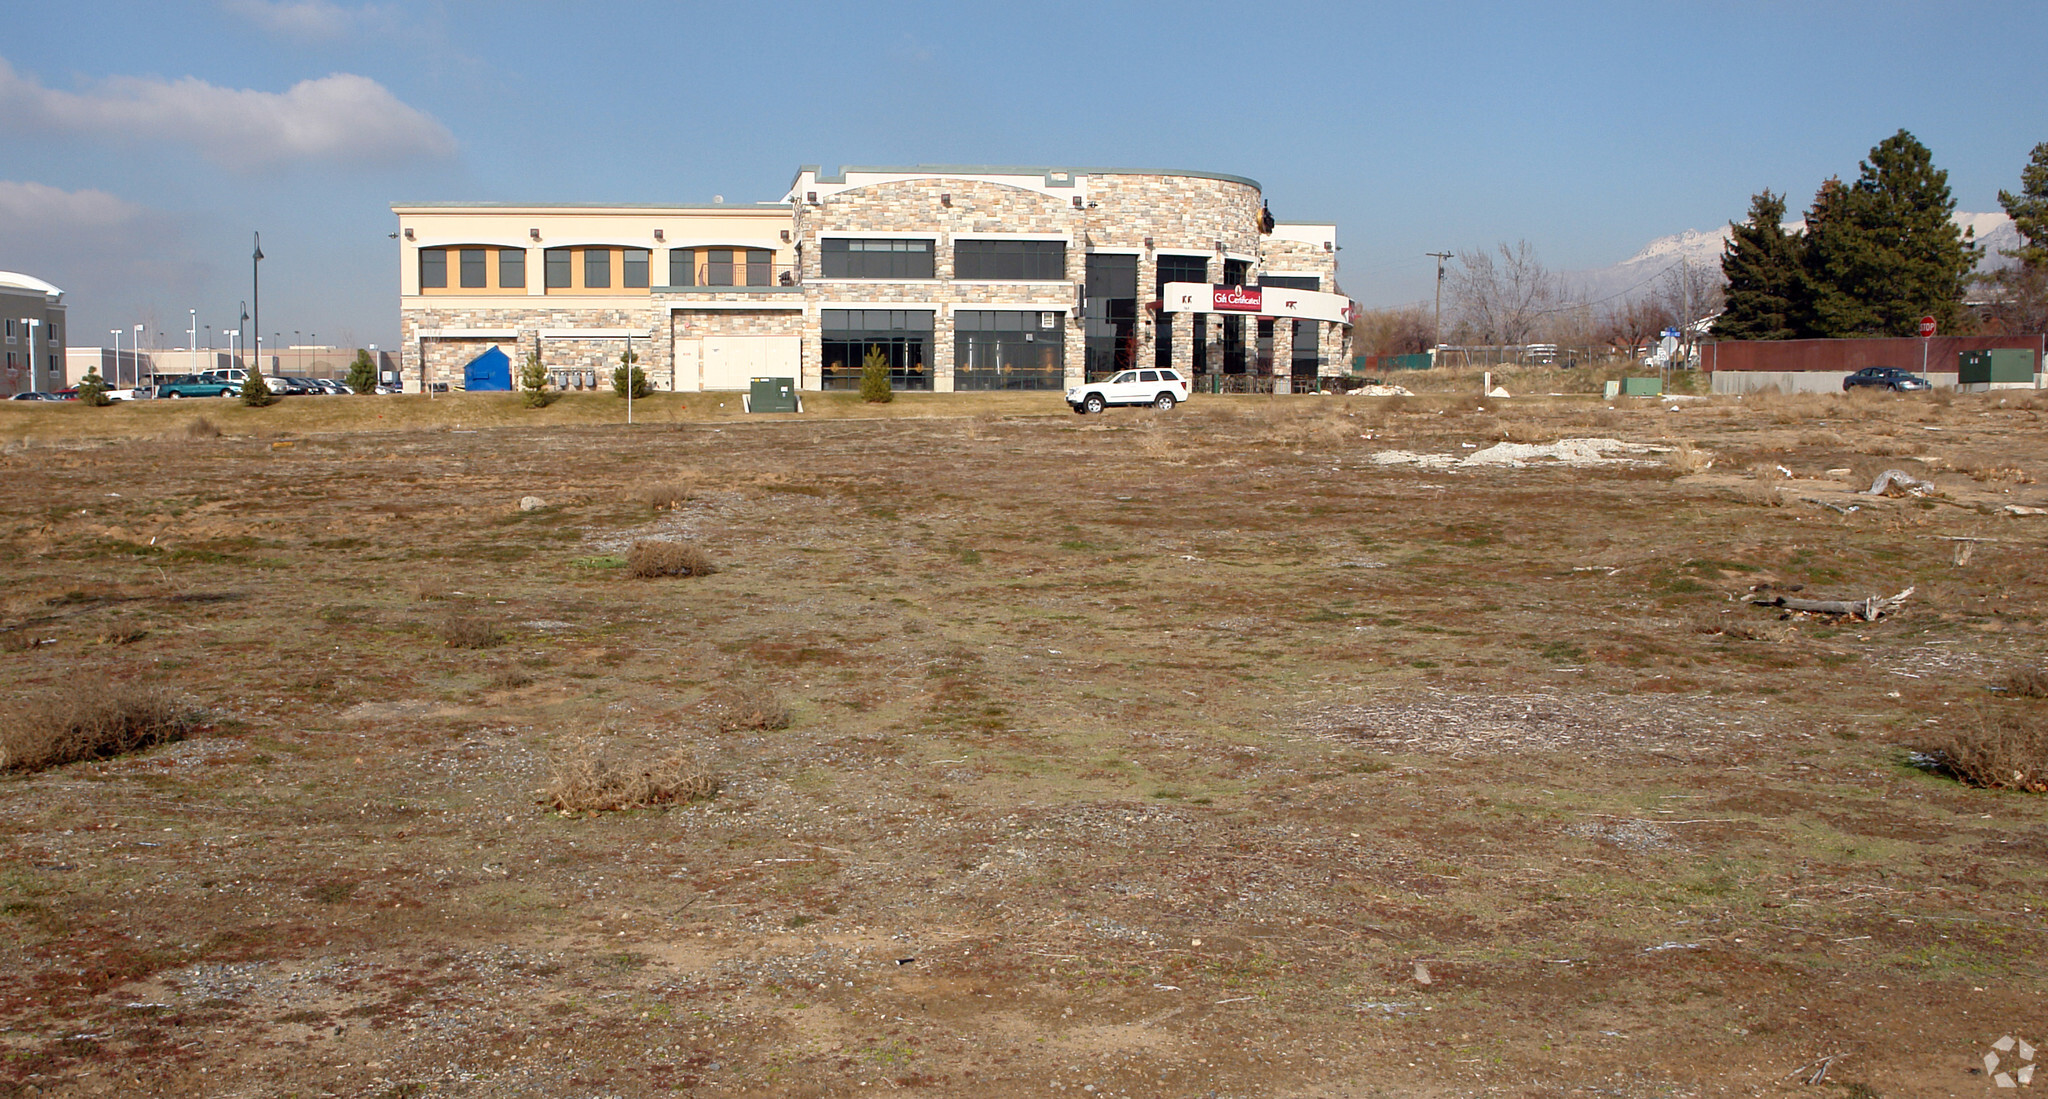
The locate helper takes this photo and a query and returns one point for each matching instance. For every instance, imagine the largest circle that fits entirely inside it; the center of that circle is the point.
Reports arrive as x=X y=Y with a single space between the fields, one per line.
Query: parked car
x=1162 y=389
x=194 y=385
x=1885 y=377
x=32 y=396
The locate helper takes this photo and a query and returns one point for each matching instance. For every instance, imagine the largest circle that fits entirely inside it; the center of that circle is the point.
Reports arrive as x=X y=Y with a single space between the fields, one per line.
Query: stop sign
x=1927 y=326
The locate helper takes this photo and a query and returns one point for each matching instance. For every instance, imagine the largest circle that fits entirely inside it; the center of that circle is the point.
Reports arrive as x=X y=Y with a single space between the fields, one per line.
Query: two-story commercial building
x=32 y=320
x=960 y=278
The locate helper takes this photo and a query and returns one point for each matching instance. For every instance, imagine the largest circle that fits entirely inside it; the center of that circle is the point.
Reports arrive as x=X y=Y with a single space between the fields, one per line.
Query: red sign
x=1241 y=299
x=1927 y=326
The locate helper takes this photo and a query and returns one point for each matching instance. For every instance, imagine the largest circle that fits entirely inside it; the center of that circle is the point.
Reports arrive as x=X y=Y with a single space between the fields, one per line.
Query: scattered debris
x=1897 y=482
x=1422 y=976
x=1566 y=452
x=531 y=503
x=2022 y=509
x=1381 y=391
x=1499 y=391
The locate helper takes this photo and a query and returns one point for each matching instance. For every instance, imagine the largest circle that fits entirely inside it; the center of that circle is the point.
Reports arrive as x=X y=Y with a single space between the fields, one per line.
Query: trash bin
x=773 y=395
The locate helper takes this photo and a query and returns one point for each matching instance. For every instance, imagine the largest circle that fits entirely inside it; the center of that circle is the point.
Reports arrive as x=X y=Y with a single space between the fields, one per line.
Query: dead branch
x=1866 y=609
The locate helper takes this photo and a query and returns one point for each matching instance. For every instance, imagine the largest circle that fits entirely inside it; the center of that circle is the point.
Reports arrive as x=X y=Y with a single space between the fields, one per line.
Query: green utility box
x=1642 y=387
x=773 y=395
x=2000 y=366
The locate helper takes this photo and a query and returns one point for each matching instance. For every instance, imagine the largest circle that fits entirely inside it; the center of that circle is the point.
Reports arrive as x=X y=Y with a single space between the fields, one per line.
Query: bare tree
x=1690 y=292
x=1399 y=331
x=1501 y=295
x=1631 y=324
x=2017 y=300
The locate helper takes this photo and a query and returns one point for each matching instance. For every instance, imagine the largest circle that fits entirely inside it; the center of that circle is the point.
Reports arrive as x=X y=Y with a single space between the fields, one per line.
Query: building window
x=903 y=336
x=718 y=267
x=1010 y=259
x=635 y=269
x=512 y=268
x=558 y=269
x=1235 y=271
x=1008 y=349
x=433 y=268
x=1177 y=269
x=597 y=268
x=1110 y=321
x=851 y=258
x=1308 y=356
x=682 y=267
x=760 y=267
x=473 y=269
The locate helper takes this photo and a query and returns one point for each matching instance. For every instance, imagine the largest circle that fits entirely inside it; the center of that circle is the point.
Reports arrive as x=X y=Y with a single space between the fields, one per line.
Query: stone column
x=1283 y=354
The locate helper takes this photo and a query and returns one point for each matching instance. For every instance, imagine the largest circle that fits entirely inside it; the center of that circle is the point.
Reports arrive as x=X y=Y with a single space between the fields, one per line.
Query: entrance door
x=689 y=365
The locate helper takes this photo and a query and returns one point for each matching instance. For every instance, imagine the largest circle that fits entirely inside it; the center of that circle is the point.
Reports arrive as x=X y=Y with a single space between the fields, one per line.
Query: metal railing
x=745 y=276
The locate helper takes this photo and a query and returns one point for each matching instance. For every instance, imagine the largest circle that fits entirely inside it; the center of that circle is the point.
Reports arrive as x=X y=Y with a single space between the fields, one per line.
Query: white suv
x=1162 y=389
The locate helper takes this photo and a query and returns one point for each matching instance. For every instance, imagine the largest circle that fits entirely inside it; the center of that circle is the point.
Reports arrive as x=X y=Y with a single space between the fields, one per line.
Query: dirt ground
x=1184 y=754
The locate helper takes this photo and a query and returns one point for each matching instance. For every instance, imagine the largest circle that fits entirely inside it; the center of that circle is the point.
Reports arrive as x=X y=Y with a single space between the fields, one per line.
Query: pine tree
x=255 y=391
x=362 y=373
x=641 y=386
x=2029 y=210
x=2019 y=293
x=92 y=389
x=874 y=378
x=1884 y=251
x=1766 y=284
x=533 y=382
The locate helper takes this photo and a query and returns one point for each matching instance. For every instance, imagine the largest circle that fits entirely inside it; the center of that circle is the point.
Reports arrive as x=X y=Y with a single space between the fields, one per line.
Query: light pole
x=32 y=323
x=242 y=326
x=117 y=357
x=138 y=354
x=192 y=339
x=256 y=298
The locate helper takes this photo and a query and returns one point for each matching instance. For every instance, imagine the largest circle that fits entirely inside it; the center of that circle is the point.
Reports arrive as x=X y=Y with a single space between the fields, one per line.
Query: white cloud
x=53 y=209
x=342 y=117
x=308 y=20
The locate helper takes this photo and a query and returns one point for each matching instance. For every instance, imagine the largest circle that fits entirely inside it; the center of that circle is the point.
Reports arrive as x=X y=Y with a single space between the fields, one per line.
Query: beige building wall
x=576 y=327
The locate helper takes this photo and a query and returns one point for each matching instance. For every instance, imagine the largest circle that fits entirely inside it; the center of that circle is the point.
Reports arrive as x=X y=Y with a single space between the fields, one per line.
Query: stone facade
x=1140 y=214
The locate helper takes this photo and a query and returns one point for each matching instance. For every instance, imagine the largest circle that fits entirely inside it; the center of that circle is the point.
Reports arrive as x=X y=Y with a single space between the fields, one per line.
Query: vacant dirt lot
x=1183 y=754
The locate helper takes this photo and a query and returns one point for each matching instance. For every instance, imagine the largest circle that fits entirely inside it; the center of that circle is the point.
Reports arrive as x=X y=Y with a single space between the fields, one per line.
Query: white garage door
x=730 y=362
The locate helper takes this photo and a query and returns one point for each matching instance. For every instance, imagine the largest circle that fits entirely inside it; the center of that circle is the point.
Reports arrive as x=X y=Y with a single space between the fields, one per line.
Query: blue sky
x=142 y=143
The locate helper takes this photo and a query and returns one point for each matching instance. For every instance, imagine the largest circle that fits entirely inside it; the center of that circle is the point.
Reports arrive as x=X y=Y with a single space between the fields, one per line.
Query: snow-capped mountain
x=1639 y=273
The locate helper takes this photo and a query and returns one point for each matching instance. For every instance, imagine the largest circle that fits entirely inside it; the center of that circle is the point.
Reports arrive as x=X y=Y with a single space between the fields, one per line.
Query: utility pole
x=1437 y=333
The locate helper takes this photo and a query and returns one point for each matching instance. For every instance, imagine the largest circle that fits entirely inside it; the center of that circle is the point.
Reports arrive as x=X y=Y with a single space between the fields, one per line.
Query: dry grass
x=2001 y=748
x=665 y=497
x=466 y=631
x=2001 y=474
x=1764 y=490
x=756 y=706
x=202 y=428
x=654 y=558
x=53 y=730
x=1302 y=422
x=1741 y=626
x=582 y=779
x=2024 y=682
x=1687 y=458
